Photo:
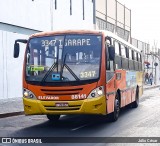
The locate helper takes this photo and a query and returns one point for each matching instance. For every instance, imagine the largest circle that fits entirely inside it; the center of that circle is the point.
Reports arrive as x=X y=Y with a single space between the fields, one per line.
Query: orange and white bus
x=79 y=72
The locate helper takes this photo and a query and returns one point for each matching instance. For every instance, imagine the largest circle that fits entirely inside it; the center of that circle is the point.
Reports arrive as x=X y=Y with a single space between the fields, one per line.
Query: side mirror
x=16 y=47
x=111 y=51
x=16 y=50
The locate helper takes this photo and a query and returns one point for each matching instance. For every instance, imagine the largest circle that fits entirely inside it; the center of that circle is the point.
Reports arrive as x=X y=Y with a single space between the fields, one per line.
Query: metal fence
x=143 y=46
x=115 y=17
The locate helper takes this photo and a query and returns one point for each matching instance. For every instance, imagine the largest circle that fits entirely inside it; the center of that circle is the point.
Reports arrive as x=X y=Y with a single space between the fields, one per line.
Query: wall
x=46 y=14
x=42 y=15
x=10 y=68
x=27 y=13
x=77 y=18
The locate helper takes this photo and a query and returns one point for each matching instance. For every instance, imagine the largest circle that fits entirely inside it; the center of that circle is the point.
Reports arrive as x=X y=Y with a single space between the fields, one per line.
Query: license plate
x=61 y=104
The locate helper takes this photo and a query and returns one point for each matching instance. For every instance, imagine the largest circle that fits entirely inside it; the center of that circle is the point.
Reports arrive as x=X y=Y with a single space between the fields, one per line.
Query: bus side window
x=117 y=52
x=118 y=58
x=123 y=51
x=130 y=54
x=109 y=63
x=131 y=63
x=133 y=58
x=139 y=62
x=107 y=44
x=124 y=57
x=136 y=56
x=140 y=58
x=108 y=41
x=107 y=59
x=127 y=58
x=137 y=68
x=127 y=52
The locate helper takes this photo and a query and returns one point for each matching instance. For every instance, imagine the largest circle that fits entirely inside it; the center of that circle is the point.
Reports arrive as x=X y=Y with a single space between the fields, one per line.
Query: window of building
x=139 y=57
x=133 y=57
x=127 y=52
x=136 y=56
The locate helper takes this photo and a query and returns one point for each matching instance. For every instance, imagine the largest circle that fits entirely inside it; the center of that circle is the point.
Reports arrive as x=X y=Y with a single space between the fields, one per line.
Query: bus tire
x=136 y=102
x=53 y=118
x=114 y=116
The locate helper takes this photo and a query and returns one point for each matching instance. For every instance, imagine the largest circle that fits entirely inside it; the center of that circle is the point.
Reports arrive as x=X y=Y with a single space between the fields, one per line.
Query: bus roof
x=110 y=34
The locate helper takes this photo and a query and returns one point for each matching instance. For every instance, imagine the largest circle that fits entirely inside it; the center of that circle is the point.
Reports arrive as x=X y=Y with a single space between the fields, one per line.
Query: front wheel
x=53 y=118
x=114 y=116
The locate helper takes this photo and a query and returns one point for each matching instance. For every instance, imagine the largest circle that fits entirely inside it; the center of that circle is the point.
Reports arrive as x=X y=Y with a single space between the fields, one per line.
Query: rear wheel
x=114 y=116
x=53 y=118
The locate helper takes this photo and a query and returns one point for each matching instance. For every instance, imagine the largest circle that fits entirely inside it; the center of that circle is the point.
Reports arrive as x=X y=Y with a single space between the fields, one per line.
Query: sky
x=145 y=20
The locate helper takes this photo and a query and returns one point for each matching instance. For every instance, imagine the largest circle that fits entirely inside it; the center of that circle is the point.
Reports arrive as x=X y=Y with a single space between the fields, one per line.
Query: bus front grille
x=59 y=92
x=54 y=108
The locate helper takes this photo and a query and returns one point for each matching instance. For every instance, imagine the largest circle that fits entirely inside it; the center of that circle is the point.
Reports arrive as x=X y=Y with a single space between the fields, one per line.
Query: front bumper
x=87 y=106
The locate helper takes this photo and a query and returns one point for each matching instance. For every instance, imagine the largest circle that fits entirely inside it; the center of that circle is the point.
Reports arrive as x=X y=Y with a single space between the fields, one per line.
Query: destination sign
x=78 y=42
x=68 y=42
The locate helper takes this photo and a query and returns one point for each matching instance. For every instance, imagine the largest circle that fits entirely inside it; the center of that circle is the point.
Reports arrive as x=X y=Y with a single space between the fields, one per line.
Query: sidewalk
x=14 y=106
x=148 y=86
x=11 y=107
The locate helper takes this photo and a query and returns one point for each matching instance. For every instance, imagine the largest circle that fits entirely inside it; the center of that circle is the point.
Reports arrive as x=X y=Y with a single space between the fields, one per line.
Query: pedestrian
x=151 y=78
x=146 y=78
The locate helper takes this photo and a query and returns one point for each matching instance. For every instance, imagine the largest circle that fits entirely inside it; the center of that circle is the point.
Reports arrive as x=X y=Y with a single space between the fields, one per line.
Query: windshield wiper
x=68 y=68
x=49 y=71
x=72 y=73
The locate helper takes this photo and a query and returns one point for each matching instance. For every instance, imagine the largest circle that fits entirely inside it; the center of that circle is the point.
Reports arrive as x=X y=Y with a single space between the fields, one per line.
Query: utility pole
x=155 y=74
x=155 y=64
x=51 y=13
x=116 y=17
x=94 y=14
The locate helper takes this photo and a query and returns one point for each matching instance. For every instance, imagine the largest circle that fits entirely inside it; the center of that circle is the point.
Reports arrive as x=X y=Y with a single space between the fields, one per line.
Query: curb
x=151 y=87
x=5 y=115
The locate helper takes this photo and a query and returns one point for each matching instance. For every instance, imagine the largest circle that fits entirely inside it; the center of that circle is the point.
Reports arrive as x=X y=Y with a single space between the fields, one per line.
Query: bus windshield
x=63 y=58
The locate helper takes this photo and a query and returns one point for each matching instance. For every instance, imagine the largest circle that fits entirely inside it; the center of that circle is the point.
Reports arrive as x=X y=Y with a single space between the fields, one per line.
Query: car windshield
x=63 y=58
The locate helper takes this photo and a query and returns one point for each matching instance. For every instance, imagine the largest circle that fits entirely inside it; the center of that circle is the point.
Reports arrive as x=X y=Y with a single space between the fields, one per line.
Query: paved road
x=143 y=121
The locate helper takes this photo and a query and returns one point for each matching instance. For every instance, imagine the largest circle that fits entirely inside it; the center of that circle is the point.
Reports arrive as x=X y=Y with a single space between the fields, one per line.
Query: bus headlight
x=28 y=94
x=99 y=91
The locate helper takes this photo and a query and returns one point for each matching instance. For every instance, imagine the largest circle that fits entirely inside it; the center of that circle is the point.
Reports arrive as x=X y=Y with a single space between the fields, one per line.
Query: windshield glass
x=63 y=58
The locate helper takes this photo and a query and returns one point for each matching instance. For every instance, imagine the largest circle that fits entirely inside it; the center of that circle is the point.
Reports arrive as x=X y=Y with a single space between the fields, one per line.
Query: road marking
x=79 y=127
